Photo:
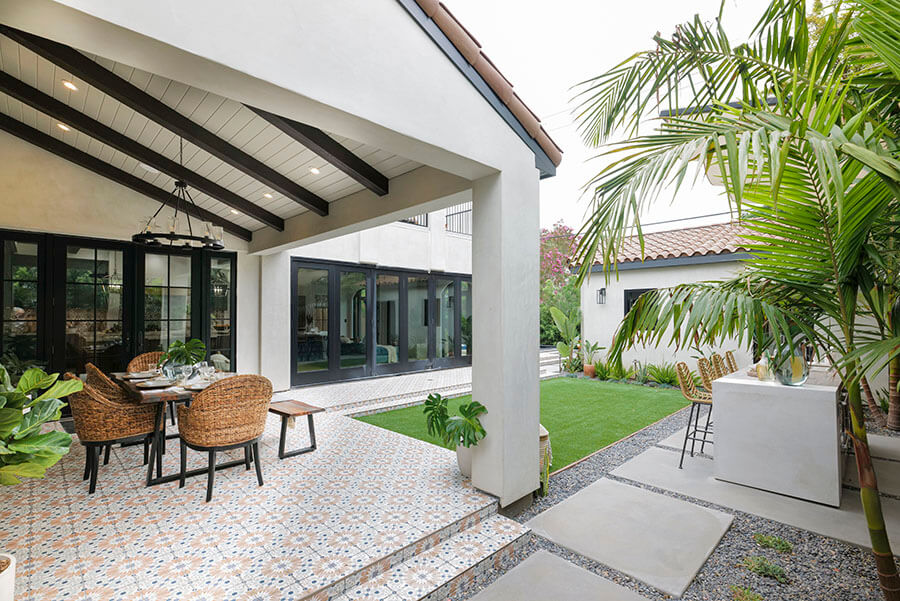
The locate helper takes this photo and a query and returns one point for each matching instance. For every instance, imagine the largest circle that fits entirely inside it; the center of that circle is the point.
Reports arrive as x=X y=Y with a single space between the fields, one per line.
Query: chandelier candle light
x=211 y=239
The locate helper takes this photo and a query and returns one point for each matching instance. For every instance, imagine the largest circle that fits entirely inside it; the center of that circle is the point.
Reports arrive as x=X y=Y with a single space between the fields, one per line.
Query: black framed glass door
x=23 y=297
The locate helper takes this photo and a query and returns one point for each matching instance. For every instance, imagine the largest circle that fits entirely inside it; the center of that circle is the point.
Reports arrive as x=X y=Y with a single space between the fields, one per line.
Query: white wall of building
x=600 y=322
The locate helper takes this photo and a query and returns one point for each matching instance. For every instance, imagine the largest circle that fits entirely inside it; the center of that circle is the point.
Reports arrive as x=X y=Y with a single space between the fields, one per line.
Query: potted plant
x=589 y=351
x=182 y=353
x=25 y=451
x=460 y=432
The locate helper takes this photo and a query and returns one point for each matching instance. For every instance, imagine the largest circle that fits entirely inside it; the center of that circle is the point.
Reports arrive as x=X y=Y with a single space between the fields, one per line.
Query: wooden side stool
x=289 y=410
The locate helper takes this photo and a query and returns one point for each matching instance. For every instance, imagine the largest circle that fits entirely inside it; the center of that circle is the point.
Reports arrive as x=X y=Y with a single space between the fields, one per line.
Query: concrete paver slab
x=658 y=467
x=546 y=577
x=654 y=538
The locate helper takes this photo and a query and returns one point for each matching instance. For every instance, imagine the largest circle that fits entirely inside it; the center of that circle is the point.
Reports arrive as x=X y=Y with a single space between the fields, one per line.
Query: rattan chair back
x=730 y=362
x=98 y=418
x=718 y=365
x=705 y=369
x=145 y=361
x=688 y=388
x=100 y=382
x=228 y=412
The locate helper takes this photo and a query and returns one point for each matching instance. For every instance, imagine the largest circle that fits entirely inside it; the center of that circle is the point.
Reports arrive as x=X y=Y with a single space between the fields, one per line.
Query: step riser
x=384 y=564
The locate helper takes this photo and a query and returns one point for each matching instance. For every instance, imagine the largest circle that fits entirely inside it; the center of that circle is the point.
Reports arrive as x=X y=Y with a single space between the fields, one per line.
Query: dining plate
x=154 y=384
x=140 y=375
x=197 y=386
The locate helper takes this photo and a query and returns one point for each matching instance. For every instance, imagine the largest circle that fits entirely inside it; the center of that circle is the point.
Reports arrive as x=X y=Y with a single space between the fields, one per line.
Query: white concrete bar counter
x=783 y=439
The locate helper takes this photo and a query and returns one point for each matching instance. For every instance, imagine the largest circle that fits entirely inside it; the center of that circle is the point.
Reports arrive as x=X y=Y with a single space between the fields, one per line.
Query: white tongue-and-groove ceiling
x=229 y=120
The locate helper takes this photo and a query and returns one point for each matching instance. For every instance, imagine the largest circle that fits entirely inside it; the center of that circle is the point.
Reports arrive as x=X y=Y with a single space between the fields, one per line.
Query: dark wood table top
x=155 y=395
x=293 y=408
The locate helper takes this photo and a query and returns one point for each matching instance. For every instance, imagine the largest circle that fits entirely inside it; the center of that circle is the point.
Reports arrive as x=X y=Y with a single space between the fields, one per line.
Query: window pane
x=221 y=359
x=353 y=319
x=20 y=300
x=20 y=337
x=80 y=264
x=312 y=319
x=179 y=330
x=79 y=344
x=79 y=301
x=179 y=271
x=109 y=347
x=445 y=325
x=109 y=302
x=156 y=270
x=155 y=303
x=109 y=266
x=417 y=336
x=20 y=261
x=465 y=318
x=156 y=335
x=387 y=319
x=179 y=303
x=220 y=303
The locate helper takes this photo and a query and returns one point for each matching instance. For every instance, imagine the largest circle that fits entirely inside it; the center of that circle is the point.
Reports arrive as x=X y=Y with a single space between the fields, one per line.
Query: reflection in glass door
x=353 y=324
x=167 y=300
x=417 y=318
x=387 y=320
x=465 y=318
x=21 y=301
x=445 y=319
x=311 y=345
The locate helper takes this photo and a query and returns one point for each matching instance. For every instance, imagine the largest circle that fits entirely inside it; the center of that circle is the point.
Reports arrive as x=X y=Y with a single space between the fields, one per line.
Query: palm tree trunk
x=871 y=501
x=874 y=409
x=893 y=420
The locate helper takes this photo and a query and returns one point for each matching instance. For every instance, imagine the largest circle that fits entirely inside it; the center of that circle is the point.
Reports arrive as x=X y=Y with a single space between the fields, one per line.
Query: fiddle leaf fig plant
x=26 y=452
x=464 y=429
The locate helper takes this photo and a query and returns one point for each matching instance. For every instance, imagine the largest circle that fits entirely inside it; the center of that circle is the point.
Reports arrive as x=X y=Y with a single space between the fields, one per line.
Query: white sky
x=545 y=47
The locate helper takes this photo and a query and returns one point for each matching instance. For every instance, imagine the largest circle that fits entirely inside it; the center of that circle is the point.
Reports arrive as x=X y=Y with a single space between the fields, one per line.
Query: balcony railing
x=420 y=220
x=459 y=219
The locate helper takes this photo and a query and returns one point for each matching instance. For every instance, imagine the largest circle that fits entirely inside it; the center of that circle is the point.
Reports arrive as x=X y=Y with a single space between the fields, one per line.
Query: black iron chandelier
x=209 y=236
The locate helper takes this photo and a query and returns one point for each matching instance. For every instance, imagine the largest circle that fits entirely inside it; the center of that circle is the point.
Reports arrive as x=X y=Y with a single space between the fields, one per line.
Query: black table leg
x=155 y=456
x=281 y=442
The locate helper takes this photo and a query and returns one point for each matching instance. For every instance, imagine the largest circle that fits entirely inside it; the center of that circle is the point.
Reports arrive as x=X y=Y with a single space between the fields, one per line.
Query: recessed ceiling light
x=267 y=195
x=70 y=85
x=235 y=211
x=314 y=170
x=147 y=167
x=63 y=127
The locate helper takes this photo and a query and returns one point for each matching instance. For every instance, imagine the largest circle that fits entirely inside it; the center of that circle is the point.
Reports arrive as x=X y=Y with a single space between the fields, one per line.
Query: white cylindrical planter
x=464 y=460
x=7 y=578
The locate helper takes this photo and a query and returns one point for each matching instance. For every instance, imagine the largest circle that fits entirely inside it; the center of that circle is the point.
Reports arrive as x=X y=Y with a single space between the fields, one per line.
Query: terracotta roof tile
x=469 y=47
x=722 y=238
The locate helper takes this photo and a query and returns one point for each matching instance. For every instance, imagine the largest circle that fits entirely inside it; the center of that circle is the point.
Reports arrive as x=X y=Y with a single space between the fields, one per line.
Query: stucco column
x=505 y=376
x=275 y=319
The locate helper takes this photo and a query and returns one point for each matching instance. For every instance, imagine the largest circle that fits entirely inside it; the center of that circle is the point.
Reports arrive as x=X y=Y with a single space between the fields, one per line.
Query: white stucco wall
x=600 y=322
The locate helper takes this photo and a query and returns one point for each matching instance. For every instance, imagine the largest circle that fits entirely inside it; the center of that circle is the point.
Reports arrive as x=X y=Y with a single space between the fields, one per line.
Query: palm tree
x=804 y=136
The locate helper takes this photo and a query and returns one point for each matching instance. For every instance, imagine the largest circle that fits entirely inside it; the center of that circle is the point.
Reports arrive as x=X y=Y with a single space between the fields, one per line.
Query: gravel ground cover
x=818 y=568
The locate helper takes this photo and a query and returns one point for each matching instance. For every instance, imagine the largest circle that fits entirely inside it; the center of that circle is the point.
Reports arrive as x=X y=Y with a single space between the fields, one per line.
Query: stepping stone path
x=546 y=577
x=651 y=537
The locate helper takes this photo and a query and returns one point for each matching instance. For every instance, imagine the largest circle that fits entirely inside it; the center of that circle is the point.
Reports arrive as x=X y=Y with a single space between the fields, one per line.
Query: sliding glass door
x=350 y=321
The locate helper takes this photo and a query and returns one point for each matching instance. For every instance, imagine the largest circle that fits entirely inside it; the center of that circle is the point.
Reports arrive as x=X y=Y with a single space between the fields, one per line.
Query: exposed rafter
x=108 y=82
x=82 y=159
x=329 y=149
x=66 y=114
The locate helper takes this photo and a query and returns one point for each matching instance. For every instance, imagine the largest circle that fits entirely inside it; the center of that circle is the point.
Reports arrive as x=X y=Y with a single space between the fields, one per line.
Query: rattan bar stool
x=229 y=414
x=698 y=399
x=731 y=362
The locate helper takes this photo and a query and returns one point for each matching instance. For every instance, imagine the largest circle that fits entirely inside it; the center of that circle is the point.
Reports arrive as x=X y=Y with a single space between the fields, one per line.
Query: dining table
x=161 y=397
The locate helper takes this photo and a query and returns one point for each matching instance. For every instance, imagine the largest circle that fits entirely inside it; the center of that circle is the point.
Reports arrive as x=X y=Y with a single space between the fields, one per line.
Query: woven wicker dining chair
x=718 y=364
x=100 y=382
x=229 y=414
x=101 y=422
x=698 y=399
x=731 y=362
x=145 y=362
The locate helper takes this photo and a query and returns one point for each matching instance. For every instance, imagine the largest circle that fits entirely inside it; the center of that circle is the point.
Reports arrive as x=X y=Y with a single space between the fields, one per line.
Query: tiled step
x=449 y=568
x=415 y=396
x=383 y=565
x=402 y=402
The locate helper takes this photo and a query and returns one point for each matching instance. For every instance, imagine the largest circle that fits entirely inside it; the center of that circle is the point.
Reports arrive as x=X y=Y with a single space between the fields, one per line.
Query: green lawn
x=581 y=415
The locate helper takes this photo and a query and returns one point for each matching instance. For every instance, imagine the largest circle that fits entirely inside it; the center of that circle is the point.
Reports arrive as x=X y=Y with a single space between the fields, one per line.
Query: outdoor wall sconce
x=601 y=296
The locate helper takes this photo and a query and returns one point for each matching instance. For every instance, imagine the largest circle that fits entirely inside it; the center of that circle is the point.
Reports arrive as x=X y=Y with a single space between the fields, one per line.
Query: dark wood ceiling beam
x=82 y=159
x=329 y=149
x=66 y=114
x=108 y=82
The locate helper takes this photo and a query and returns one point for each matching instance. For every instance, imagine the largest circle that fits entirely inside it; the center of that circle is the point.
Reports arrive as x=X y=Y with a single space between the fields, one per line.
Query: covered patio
x=285 y=129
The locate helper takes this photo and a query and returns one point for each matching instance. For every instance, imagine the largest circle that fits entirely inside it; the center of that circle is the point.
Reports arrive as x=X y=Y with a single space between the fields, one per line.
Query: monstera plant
x=25 y=451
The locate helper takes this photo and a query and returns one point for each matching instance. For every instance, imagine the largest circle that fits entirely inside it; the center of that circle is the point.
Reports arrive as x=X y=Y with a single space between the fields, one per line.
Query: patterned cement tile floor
x=365 y=495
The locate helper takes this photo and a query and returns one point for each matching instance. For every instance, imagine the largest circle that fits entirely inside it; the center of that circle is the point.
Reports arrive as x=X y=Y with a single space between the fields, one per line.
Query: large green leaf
x=9 y=474
x=13 y=399
x=53 y=443
x=9 y=421
x=5 y=382
x=61 y=389
x=35 y=379
x=41 y=412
